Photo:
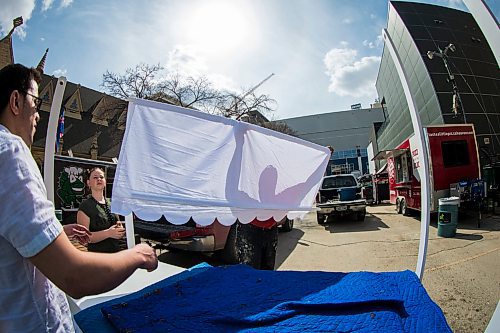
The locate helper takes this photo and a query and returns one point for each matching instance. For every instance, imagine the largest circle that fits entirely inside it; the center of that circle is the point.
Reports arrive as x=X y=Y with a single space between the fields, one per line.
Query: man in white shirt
x=37 y=259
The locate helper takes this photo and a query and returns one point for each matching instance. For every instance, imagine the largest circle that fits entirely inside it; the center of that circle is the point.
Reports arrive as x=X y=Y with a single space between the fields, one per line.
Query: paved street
x=462 y=273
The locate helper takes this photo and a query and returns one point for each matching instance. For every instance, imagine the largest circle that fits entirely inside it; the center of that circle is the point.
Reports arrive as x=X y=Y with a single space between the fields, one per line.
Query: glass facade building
x=416 y=29
x=346 y=161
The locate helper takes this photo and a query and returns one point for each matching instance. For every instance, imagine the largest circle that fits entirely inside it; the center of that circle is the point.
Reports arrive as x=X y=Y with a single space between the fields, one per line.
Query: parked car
x=194 y=237
x=339 y=195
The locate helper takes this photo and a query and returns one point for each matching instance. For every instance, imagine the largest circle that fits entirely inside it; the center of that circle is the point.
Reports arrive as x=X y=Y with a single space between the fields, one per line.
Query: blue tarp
x=90 y=320
x=239 y=298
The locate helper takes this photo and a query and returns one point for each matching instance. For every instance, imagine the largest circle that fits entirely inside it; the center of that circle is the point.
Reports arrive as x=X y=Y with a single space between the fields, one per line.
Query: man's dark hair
x=15 y=77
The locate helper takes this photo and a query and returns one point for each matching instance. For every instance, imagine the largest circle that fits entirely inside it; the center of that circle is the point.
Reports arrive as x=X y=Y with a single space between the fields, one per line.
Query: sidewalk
x=462 y=273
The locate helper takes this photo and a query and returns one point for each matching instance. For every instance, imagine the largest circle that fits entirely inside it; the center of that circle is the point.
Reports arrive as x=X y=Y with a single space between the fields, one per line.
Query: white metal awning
x=385 y=154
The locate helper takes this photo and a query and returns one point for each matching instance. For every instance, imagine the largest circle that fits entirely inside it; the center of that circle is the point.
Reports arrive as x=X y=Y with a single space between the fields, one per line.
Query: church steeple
x=6 y=52
x=18 y=21
x=41 y=64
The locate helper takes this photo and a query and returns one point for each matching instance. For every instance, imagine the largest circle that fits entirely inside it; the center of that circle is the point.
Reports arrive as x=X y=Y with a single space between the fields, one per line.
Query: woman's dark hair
x=15 y=77
x=88 y=172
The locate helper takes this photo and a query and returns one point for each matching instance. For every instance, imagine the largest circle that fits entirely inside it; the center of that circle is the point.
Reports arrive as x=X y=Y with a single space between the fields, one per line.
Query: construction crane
x=239 y=99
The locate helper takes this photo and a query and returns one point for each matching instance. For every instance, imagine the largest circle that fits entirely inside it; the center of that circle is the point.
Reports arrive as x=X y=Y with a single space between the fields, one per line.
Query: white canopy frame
x=50 y=138
x=422 y=152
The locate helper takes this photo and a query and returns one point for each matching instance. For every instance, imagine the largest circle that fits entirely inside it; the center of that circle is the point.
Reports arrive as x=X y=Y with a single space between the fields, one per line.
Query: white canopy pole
x=129 y=230
x=422 y=153
x=50 y=138
x=488 y=24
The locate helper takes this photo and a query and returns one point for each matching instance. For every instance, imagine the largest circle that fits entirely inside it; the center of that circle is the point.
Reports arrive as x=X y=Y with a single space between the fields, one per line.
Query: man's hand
x=78 y=232
x=149 y=255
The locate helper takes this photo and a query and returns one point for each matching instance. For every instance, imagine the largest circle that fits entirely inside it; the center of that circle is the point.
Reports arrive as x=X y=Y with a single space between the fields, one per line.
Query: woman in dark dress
x=95 y=214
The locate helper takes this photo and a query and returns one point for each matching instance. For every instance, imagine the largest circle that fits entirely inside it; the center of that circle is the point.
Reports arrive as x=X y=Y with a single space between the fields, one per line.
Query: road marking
x=462 y=260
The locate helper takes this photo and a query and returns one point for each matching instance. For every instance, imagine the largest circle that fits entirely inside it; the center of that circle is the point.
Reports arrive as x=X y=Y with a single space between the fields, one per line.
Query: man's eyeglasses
x=38 y=101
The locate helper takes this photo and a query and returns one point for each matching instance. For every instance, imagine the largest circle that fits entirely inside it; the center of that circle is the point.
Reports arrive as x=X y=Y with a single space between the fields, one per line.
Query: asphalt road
x=462 y=274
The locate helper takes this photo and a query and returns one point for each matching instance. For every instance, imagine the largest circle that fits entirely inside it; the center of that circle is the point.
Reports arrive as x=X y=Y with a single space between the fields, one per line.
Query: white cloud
x=380 y=39
x=453 y=3
x=188 y=61
x=46 y=4
x=376 y=43
x=60 y=72
x=349 y=76
x=222 y=82
x=42 y=39
x=344 y=43
x=66 y=3
x=373 y=16
x=347 y=21
x=12 y=9
x=457 y=4
x=368 y=44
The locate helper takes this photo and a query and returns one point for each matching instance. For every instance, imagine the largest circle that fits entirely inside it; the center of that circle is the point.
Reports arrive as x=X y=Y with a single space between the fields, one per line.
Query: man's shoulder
x=14 y=154
x=10 y=142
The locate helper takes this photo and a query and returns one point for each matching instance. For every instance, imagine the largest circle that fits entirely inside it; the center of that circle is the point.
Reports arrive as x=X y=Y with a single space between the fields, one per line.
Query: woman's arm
x=115 y=231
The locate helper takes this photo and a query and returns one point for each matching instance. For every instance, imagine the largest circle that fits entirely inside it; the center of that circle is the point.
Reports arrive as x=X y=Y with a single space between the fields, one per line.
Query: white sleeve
x=27 y=218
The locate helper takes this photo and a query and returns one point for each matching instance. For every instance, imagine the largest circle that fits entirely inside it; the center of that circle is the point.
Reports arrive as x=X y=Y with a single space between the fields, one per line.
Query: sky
x=325 y=54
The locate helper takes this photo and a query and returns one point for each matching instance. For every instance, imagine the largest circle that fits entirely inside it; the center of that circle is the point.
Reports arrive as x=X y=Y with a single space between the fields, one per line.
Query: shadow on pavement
x=469 y=221
x=287 y=242
x=188 y=259
x=468 y=236
x=346 y=224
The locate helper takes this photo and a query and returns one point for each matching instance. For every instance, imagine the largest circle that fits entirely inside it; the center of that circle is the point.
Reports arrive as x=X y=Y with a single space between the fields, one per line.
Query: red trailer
x=453 y=158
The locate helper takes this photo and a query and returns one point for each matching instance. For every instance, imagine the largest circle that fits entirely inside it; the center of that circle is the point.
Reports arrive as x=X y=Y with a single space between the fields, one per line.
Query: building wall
x=345 y=131
x=416 y=29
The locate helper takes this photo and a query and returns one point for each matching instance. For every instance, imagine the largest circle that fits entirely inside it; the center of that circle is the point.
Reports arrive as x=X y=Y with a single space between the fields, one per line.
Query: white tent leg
x=486 y=21
x=422 y=154
x=50 y=138
x=129 y=230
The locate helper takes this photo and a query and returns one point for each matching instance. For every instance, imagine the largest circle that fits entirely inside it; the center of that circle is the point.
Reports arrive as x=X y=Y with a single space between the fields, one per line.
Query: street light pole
x=443 y=54
x=358 y=153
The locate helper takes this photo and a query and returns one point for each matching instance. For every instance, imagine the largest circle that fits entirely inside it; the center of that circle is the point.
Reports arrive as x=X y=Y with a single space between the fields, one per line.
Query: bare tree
x=189 y=92
x=140 y=82
x=233 y=106
x=280 y=126
x=152 y=82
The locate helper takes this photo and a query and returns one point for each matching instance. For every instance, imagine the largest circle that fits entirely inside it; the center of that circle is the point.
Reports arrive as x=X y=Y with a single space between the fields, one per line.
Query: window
x=455 y=153
x=342 y=168
x=339 y=181
x=403 y=165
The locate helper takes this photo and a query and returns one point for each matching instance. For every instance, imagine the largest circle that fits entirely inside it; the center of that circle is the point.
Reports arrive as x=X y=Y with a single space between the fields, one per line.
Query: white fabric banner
x=183 y=163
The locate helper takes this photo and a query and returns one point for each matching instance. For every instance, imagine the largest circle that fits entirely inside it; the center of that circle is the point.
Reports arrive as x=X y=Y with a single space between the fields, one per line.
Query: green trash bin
x=448 y=216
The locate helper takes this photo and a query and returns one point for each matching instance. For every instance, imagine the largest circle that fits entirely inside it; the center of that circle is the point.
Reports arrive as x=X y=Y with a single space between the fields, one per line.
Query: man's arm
x=80 y=274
